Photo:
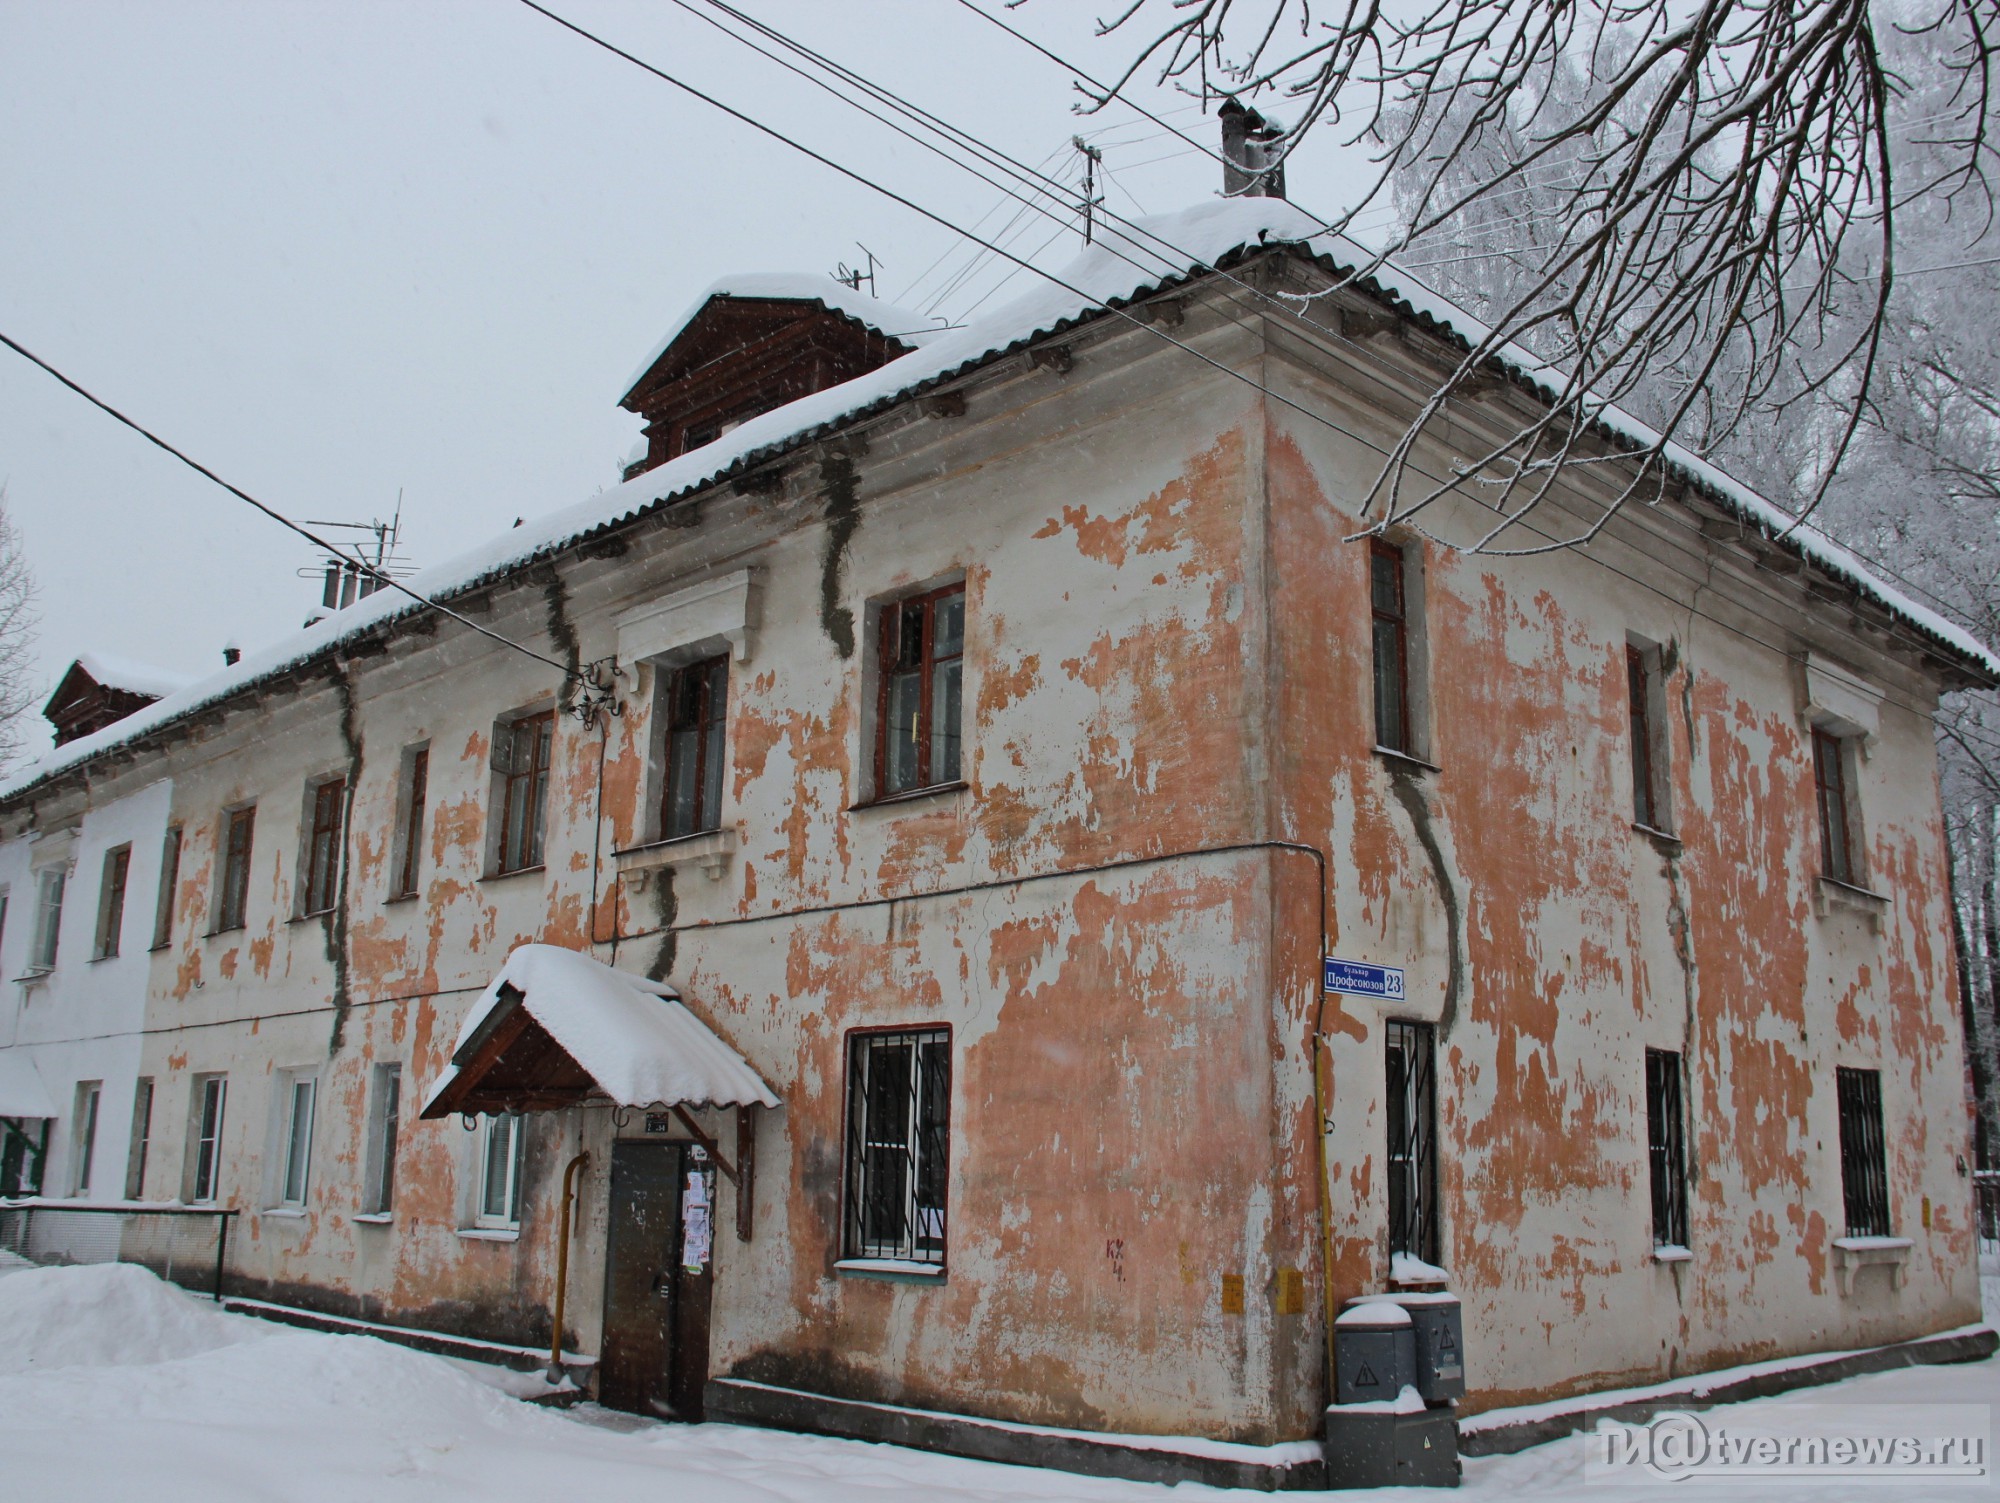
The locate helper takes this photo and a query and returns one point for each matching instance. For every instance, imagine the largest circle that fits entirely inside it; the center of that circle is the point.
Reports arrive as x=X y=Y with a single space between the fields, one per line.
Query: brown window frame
x=1830 y=796
x=710 y=721
x=923 y=1220
x=232 y=899
x=170 y=877
x=320 y=890
x=111 y=902
x=536 y=777
x=418 y=781
x=1398 y=622
x=888 y=630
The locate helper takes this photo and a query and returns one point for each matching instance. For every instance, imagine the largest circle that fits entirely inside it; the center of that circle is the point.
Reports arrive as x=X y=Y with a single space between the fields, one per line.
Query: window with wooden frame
x=1831 y=797
x=1864 y=1169
x=1390 y=626
x=523 y=750
x=89 y=1094
x=1412 y=1122
x=898 y=1144
x=51 y=882
x=1666 y=1148
x=697 y=704
x=320 y=888
x=170 y=876
x=233 y=893
x=921 y=648
x=111 y=901
x=1648 y=740
x=205 y=1139
x=410 y=842
x=385 y=1111
x=142 y=1139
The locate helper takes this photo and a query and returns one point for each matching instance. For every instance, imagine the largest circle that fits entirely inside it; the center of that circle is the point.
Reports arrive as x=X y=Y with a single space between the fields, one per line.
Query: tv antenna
x=853 y=276
x=356 y=576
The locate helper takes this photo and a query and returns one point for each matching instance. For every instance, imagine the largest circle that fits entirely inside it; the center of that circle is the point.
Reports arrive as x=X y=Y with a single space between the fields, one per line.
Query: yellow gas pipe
x=562 y=1265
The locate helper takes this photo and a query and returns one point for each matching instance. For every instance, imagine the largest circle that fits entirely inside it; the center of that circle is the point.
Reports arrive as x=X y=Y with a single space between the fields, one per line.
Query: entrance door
x=655 y=1356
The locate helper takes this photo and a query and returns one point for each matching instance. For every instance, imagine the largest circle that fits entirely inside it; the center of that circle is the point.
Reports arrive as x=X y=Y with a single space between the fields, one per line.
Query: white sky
x=334 y=250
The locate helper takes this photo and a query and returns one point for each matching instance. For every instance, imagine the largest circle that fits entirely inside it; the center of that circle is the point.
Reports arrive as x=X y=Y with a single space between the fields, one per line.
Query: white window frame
x=198 y=1193
x=83 y=1144
x=508 y=1217
x=48 y=918
x=291 y=1159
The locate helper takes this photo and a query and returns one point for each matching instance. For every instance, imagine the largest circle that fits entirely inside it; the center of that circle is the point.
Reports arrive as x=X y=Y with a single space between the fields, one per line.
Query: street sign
x=1356 y=978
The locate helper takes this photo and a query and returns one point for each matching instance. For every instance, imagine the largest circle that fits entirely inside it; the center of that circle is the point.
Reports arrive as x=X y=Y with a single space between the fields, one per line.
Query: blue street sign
x=1356 y=978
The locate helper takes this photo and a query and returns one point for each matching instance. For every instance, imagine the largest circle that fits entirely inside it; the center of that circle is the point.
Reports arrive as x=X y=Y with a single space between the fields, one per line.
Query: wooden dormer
x=755 y=343
x=97 y=691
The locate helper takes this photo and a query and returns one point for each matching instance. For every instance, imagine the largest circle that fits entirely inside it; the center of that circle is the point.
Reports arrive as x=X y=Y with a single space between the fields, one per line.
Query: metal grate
x=898 y=1111
x=1666 y=1148
x=1864 y=1171
x=1412 y=1066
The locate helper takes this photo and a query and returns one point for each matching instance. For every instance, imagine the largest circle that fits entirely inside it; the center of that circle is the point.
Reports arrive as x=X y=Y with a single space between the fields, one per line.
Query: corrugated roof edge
x=379 y=612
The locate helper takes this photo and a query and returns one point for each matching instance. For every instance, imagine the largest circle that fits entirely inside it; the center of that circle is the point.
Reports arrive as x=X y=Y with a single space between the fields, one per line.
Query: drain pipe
x=562 y=1265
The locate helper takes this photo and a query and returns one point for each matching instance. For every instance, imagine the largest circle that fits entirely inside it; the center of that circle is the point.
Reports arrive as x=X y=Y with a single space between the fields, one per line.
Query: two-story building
x=947 y=762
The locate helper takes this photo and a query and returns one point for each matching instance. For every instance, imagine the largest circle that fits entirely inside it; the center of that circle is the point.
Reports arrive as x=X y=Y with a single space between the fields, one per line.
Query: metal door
x=657 y=1281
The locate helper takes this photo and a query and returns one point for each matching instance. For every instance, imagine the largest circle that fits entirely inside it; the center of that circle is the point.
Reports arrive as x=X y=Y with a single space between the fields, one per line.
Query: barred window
x=1864 y=1170
x=1666 y=1148
x=1412 y=1089
x=898 y=1144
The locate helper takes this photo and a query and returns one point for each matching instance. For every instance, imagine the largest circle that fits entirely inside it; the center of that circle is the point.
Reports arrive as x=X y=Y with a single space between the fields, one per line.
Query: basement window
x=1412 y=1119
x=1666 y=1148
x=1864 y=1171
x=898 y=1145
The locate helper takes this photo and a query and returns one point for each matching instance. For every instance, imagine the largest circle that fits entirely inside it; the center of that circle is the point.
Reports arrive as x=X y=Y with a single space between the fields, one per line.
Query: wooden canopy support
x=741 y=1174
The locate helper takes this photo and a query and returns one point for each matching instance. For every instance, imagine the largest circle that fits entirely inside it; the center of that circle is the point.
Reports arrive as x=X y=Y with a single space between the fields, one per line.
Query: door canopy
x=557 y=1028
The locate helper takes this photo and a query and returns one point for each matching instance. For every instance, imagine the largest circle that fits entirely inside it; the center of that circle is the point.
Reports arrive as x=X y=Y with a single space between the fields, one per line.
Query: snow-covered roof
x=135 y=678
x=900 y=324
x=632 y=1036
x=22 y=1093
x=1213 y=233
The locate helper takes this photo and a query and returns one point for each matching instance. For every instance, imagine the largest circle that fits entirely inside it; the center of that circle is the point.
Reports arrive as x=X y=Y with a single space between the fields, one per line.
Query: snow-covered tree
x=17 y=637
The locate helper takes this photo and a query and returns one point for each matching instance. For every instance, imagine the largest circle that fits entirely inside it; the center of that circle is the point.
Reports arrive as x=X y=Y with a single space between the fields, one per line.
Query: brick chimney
x=1252 y=153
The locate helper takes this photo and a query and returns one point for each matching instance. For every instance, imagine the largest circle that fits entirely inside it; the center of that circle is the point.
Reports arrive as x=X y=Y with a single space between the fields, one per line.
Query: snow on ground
x=114 y=1385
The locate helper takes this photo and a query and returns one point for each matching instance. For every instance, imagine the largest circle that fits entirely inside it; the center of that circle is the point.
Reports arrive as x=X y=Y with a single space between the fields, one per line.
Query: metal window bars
x=1666 y=1148
x=1412 y=1092
x=1864 y=1172
x=898 y=1108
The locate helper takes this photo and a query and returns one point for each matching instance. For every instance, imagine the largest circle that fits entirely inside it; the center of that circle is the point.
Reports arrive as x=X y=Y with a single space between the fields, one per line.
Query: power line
x=387 y=580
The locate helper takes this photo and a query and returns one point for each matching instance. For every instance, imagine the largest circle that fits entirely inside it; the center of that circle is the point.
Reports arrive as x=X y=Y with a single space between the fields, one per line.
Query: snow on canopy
x=900 y=324
x=1209 y=235
x=22 y=1094
x=632 y=1036
x=137 y=678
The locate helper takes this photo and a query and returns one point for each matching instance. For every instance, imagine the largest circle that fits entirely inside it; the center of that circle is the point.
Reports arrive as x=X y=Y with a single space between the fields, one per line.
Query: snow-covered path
x=114 y=1386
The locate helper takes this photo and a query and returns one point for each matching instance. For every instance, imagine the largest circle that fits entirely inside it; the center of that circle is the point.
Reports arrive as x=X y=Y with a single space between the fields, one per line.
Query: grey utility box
x=1440 y=1342
x=1375 y=1353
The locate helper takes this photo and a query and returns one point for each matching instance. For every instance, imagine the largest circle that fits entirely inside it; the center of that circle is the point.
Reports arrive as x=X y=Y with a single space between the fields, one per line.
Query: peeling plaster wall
x=1166 y=687
x=1585 y=940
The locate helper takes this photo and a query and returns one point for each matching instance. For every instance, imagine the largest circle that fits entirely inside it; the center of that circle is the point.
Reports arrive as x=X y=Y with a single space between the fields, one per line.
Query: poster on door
x=695 y=1223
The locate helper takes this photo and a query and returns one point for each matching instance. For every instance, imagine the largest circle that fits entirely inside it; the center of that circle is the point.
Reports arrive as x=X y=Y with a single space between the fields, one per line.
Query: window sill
x=373 y=1218
x=1851 y=1253
x=96 y=959
x=1403 y=762
x=910 y=796
x=225 y=933
x=283 y=1213
x=1830 y=893
x=1673 y=1255
x=401 y=897
x=519 y=871
x=34 y=978
x=893 y=1270
x=708 y=849
x=307 y=918
x=490 y=1233
x=1668 y=842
